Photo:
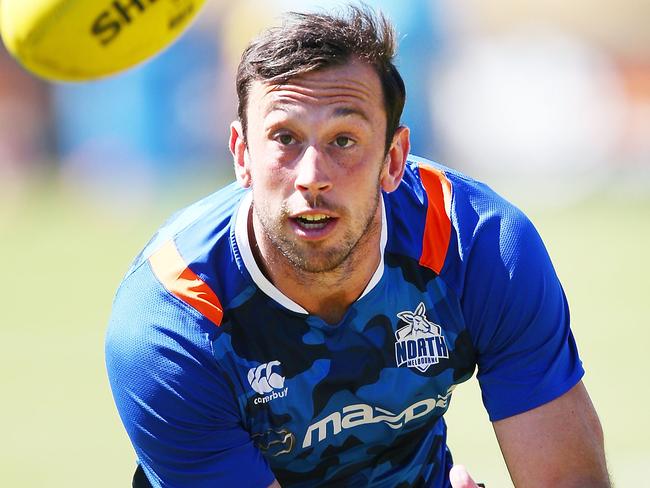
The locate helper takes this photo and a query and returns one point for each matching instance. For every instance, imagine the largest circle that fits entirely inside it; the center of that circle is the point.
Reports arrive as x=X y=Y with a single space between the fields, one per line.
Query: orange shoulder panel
x=437 y=228
x=170 y=269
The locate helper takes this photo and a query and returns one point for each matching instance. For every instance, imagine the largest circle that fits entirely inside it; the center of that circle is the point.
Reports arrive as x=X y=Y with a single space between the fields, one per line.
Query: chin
x=319 y=261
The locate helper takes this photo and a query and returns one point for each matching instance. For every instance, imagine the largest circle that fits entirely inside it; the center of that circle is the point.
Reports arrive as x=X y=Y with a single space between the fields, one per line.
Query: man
x=307 y=325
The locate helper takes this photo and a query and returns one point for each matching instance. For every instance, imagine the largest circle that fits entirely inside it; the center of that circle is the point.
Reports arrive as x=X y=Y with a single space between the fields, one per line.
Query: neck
x=326 y=294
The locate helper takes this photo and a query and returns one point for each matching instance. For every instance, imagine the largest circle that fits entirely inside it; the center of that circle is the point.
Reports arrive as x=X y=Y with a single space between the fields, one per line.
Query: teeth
x=313 y=218
x=313 y=221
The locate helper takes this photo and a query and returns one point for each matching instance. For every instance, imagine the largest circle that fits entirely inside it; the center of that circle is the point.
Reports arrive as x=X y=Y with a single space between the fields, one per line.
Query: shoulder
x=438 y=215
x=191 y=258
x=176 y=287
x=153 y=318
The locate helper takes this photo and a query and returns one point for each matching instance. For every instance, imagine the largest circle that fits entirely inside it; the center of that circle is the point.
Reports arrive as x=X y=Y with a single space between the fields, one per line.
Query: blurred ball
x=79 y=40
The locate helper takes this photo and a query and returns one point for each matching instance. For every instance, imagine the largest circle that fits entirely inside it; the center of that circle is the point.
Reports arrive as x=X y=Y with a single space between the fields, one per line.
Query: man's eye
x=343 y=141
x=285 y=139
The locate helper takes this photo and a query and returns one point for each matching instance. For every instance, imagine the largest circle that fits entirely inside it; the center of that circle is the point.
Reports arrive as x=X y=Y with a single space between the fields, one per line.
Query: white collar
x=241 y=237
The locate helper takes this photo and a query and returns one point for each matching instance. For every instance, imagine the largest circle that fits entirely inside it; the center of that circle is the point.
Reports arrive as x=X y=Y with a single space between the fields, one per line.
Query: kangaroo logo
x=420 y=343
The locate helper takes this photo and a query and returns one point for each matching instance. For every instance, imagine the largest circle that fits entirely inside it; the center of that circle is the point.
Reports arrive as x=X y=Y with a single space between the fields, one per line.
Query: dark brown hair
x=312 y=41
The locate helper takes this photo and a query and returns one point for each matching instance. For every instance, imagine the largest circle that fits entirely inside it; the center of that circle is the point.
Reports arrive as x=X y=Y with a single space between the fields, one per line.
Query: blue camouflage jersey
x=221 y=380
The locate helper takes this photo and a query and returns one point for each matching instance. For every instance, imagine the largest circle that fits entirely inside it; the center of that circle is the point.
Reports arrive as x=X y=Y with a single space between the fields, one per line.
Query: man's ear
x=395 y=161
x=239 y=151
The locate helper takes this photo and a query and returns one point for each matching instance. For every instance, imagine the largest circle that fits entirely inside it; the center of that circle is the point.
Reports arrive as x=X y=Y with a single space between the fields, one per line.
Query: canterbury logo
x=266 y=377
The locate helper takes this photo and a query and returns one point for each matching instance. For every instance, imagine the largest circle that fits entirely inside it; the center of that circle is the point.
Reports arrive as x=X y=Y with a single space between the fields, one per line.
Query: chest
x=388 y=368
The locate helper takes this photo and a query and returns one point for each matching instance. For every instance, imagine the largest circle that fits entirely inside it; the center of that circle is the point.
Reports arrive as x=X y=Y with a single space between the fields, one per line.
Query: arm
x=528 y=363
x=558 y=444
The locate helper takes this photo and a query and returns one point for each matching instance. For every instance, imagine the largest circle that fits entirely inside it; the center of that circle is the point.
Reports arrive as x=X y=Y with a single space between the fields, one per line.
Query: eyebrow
x=276 y=106
x=346 y=111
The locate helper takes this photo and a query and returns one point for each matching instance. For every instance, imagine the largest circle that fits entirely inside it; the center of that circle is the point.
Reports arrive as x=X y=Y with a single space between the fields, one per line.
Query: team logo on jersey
x=266 y=380
x=420 y=343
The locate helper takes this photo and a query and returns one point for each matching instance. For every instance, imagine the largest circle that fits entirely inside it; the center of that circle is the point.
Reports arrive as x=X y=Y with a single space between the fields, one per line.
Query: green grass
x=63 y=257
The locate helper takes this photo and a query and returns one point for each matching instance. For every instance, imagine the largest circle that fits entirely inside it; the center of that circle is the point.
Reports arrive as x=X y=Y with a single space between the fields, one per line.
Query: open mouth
x=313 y=222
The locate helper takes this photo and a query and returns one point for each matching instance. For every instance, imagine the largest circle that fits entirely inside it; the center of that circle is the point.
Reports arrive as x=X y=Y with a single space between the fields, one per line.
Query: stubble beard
x=315 y=258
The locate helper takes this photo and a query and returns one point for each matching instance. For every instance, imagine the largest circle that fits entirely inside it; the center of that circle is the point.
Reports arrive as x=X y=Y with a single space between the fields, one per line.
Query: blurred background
x=547 y=102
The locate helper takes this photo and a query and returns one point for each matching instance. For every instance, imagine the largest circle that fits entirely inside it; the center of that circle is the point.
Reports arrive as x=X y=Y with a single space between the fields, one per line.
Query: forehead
x=355 y=85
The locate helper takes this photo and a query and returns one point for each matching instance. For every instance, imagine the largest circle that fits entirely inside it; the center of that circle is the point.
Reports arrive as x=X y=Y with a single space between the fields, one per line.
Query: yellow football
x=79 y=40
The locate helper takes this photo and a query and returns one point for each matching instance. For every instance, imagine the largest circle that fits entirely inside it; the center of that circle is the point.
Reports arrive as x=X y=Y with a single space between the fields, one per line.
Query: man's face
x=315 y=159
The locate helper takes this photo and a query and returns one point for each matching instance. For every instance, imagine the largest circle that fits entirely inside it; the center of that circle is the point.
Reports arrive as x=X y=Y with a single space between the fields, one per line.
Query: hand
x=460 y=478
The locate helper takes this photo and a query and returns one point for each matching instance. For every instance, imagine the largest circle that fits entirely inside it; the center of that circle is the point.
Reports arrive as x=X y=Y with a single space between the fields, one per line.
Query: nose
x=311 y=172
